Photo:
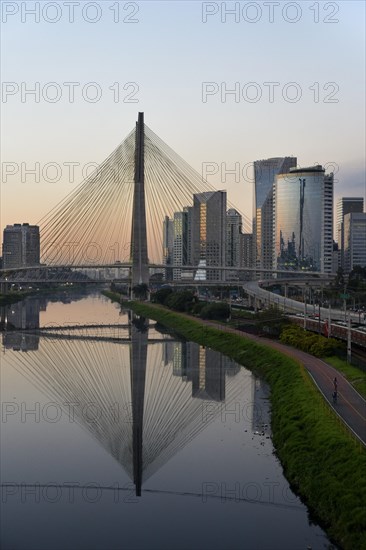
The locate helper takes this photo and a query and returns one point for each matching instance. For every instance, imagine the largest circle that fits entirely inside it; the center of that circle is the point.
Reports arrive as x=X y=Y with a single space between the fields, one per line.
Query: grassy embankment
x=321 y=459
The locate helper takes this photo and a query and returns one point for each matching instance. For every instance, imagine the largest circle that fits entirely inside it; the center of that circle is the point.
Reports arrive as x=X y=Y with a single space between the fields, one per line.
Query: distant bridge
x=77 y=274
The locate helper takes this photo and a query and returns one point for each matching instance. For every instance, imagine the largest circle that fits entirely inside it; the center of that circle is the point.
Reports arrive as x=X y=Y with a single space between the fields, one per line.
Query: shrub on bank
x=218 y=311
x=181 y=301
x=317 y=345
x=197 y=308
x=161 y=295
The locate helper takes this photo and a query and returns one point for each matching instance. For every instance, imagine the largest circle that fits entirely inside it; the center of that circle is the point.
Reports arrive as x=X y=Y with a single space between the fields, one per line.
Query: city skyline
x=299 y=220
x=227 y=134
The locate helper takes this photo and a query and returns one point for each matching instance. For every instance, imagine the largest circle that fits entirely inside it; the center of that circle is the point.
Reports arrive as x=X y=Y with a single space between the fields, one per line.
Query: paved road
x=351 y=406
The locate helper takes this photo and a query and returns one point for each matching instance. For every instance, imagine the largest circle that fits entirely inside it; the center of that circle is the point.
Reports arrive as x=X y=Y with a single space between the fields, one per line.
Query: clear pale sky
x=169 y=52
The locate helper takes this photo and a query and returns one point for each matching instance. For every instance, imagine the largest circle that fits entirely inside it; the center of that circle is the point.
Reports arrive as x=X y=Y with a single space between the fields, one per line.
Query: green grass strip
x=321 y=459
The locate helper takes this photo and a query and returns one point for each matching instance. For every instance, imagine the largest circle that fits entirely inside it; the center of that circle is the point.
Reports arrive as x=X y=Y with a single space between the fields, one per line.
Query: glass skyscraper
x=345 y=205
x=168 y=241
x=234 y=234
x=209 y=232
x=354 y=240
x=303 y=220
x=265 y=172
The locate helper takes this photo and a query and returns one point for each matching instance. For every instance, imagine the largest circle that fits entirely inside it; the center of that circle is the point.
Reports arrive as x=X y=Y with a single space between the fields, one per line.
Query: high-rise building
x=247 y=250
x=354 y=240
x=209 y=233
x=180 y=242
x=168 y=242
x=303 y=222
x=345 y=205
x=189 y=226
x=21 y=245
x=265 y=172
x=234 y=225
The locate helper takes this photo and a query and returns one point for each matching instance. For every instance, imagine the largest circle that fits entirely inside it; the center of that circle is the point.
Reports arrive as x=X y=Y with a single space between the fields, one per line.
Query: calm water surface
x=126 y=437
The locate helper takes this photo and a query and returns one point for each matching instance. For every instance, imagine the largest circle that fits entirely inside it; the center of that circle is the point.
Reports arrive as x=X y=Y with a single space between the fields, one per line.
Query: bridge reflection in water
x=142 y=402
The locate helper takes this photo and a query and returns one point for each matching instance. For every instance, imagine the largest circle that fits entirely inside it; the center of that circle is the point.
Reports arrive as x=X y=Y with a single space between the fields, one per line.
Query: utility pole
x=329 y=320
x=349 y=340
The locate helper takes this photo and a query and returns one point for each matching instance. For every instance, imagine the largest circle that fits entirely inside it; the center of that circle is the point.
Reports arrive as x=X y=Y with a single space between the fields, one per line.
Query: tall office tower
x=303 y=224
x=354 y=240
x=247 y=250
x=21 y=245
x=345 y=205
x=209 y=233
x=189 y=211
x=180 y=242
x=234 y=225
x=265 y=172
x=168 y=241
x=328 y=235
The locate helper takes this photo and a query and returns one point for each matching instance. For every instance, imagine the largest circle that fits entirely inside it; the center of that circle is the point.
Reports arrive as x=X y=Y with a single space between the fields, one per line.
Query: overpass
x=259 y=296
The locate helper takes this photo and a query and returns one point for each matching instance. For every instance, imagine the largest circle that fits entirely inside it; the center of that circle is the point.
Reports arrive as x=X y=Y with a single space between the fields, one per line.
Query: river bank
x=323 y=462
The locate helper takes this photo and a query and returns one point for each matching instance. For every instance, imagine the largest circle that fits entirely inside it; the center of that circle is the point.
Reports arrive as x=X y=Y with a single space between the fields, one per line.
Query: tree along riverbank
x=321 y=459
x=19 y=295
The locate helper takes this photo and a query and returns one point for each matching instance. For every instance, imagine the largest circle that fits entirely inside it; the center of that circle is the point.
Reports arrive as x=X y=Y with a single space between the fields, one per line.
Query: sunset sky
x=169 y=52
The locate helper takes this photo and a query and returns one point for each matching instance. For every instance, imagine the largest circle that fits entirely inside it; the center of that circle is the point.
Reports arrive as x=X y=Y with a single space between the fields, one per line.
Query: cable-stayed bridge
x=116 y=214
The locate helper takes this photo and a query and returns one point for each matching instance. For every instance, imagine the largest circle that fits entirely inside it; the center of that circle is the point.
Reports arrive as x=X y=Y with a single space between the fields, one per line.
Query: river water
x=123 y=436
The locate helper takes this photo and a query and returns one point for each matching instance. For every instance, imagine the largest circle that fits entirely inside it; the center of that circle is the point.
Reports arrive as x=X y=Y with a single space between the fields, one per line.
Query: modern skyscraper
x=247 y=250
x=209 y=232
x=345 y=205
x=303 y=223
x=180 y=242
x=168 y=241
x=233 y=240
x=189 y=211
x=265 y=172
x=21 y=245
x=354 y=240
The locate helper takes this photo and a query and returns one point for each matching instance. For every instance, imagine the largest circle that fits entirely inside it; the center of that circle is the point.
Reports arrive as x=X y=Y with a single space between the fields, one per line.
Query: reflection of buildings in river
x=20 y=342
x=19 y=316
x=43 y=302
x=209 y=373
x=24 y=314
x=136 y=407
x=203 y=367
x=260 y=413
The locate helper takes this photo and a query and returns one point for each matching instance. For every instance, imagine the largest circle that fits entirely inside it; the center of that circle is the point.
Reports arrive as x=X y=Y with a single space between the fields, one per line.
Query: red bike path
x=350 y=406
